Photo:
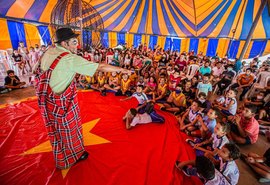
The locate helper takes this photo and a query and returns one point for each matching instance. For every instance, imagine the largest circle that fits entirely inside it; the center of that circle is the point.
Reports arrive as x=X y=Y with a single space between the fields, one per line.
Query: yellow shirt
x=101 y=80
x=67 y=67
x=162 y=89
x=125 y=84
x=177 y=98
x=133 y=77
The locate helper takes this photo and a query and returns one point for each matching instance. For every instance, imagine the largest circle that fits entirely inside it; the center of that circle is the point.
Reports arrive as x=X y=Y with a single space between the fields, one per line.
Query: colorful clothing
x=219 y=142
x=61 y=115
x=219 y=179
x=202 y=87
x=245 y=79
x=180 y=98
x=162 y=89
x=68 y=66
x=101 y=80
x=125 y=84
x=147 y=118
x=251 y=127
x=210 y=123
x=230 y=170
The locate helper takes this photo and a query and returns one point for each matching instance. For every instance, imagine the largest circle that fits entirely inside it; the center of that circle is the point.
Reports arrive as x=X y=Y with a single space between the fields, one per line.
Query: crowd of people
x=219 y=103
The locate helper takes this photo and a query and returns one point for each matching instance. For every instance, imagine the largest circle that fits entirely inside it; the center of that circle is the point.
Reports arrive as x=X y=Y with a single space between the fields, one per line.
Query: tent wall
x=12 y=32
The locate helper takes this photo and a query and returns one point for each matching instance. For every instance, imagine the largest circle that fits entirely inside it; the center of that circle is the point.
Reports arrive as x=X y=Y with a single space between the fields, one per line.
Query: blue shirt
x=238 y=66
x=210 y=123
x=204 y=87
x=204 y=70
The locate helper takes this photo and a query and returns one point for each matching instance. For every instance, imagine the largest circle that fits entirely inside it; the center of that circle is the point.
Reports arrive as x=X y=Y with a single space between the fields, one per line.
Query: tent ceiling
x=179 y=18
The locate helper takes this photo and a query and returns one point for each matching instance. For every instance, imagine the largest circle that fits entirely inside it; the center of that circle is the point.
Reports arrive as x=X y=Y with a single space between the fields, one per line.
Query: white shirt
x=141 y=119
x=202 y=87
x=217 y=71
x=233 y=107
x=219 y=142
x=230 y=170
x=141 y=98
x=218 y=180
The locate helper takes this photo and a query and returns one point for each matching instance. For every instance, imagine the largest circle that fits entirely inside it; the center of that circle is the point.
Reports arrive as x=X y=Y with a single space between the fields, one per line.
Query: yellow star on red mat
x=88 y=138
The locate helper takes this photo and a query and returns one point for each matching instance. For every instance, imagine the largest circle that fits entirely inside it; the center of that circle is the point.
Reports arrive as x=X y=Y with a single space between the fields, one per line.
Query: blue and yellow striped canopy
x=208 y=26
x=175 y=18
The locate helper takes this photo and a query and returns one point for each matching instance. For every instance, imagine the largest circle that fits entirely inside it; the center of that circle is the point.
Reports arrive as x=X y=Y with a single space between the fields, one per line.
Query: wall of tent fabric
x=12 y=32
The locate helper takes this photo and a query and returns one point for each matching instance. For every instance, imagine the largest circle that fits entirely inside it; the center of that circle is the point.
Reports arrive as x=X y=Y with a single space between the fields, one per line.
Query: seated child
x=258 y=100
x=133 y=117
x=205 y=104
x=190 y=120
x=188 y=92
x=204 y=86
x=161 y=92
x=217 y=140
x=229 y=106
x=151 y=86
x=141 y=81
x=174 y=80
x=113 y=83
x=140 y=96
x=264 y=115
x=125 y=86
x=260 y=164
x=208 y=123
x=244 y=127
x=99 y=86
x=12 y=81
x=133 y=79
x=84 y=83
x=204 y=169
x=226 y=162
x=176 y=102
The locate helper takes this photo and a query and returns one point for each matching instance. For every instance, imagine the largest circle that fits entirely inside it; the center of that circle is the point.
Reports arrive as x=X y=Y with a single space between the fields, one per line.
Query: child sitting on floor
x=204 y=169
x=113 y=83
x=229 y=106
x=209 y=123
x=218 y=140
x=125 y=86
x=84 y=83
x=12 y=81
x=151 y=86
x=190 y=120
x=206 y=104
x=226 y=162
x=260 y=164
x=244 y=127
x=176 y=102
x=161 y=92
x=99 y=86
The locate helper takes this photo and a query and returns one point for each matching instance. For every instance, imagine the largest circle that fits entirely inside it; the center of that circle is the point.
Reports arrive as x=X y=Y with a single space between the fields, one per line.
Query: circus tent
x=208 y=26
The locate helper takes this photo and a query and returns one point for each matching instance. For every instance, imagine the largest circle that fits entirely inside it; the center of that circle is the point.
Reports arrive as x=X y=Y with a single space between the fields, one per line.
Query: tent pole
x=81 y=23
x=251 y=31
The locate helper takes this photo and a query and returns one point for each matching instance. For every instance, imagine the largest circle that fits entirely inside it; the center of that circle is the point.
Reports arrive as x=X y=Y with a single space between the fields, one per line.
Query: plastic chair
x=234 y=80
x=260 y=83
x=192 y=70
x=109 y=59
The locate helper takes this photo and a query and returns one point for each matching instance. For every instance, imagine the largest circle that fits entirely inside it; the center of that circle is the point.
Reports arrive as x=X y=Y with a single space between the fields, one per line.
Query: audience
x=159 y=76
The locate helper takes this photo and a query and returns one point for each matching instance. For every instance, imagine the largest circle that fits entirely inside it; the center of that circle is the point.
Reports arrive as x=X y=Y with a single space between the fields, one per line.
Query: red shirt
x=173 y=82
x=88 y=57
x=181 y=64
x=250 y=126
